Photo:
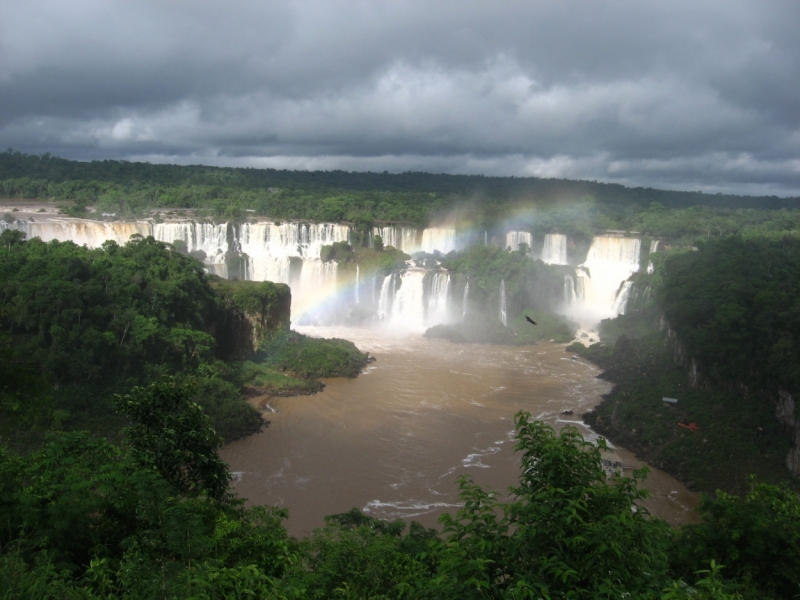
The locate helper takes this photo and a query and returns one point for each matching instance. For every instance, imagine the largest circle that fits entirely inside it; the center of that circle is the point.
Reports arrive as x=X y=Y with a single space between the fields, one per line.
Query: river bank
x=732 y=436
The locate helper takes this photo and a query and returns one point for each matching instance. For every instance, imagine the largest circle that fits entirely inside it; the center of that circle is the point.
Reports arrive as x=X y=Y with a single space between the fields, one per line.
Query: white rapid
x=503 y=311
x=554 y=251
x=515 y=238
x=600 y=290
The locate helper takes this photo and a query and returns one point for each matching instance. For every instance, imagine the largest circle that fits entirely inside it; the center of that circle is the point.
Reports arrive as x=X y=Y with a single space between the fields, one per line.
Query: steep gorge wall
x=249 y=313
x=782 y=400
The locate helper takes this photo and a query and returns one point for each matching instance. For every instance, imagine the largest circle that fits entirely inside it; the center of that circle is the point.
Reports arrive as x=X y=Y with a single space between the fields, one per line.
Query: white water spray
x=503 y=313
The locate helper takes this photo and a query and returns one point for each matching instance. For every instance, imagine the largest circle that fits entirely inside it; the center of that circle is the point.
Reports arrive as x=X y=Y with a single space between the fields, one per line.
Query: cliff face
x=249 y=313
x=785 y=405
x=785 y=410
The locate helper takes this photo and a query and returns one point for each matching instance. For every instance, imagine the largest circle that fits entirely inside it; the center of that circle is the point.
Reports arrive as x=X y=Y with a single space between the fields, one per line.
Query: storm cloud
x=680 y=95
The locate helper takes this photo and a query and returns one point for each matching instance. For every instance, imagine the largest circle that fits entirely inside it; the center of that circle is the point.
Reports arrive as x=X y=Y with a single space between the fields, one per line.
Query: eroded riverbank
x=393 y=441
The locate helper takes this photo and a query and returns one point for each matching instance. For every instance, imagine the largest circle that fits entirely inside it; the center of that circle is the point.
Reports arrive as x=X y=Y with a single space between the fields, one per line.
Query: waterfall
x=270 y=250
x=653 y=246
x=485 y=238
x=437 y=238
x=437 y=299
x=650 y=267
x=599 y=289
x=80 y=231
x=464 y=302
x=503 y=314
x=358 y=283
x=408 y=308
x=554 y=251
x=385 y=298
x=570 y=298
x=515 y=238
x=402 y=238
x=206 y=241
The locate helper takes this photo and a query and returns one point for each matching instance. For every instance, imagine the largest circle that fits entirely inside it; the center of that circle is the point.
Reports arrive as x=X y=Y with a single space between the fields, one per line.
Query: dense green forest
x=579 y=209
x=79 y=325
x=720 y=334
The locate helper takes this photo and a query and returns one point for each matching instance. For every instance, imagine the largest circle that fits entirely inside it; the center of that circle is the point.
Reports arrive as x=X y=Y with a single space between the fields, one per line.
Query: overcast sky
x=698 y=95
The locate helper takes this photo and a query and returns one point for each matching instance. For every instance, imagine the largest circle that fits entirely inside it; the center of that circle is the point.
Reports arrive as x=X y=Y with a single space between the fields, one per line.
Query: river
x=393 y=441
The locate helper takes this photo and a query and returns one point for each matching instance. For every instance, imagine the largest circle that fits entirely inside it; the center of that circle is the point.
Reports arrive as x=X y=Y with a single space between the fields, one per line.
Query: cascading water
x=503 y=312
x=411 y=241
x=408 y=307
x=438 y=298
x=385 y=299
x=653 y=246
x=420 y=300
x=515 y=238
x=464 y=302
x=402 y=238
x=270 y=249
x=441 y=239
x=554 y=251
x=570 y=298
x=82 y=232
x=600 y=290
x=210 y=239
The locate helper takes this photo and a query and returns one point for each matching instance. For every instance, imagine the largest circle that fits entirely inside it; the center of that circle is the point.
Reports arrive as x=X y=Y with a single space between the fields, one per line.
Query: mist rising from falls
x=464 y=301
x=600 y=289
x=554 y=251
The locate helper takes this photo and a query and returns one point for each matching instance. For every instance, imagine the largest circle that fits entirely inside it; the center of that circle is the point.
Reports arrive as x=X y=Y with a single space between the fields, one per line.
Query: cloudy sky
x=699 y=95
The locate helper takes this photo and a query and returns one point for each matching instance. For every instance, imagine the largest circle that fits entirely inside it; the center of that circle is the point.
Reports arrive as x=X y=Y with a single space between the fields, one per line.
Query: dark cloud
x=682 y=95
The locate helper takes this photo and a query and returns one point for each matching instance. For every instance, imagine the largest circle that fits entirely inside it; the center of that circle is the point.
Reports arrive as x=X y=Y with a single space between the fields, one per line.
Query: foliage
x=734 y=303
x=308 y=358
x=170 y=433
x=566 y=533
x=757 y=538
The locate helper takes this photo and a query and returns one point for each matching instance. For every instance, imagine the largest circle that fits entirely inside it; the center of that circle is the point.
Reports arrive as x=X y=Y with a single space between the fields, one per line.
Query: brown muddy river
x=393 y=441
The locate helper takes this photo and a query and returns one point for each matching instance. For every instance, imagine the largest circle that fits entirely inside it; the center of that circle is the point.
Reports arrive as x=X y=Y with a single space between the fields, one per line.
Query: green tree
x=172 y=434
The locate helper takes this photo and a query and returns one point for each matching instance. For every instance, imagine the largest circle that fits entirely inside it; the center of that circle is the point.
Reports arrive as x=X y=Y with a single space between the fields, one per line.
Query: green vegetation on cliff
x=720 y=336
x=79 y=325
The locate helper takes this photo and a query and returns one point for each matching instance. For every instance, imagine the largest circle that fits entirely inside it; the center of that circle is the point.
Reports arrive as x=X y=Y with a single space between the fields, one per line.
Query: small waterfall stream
x=503 y=312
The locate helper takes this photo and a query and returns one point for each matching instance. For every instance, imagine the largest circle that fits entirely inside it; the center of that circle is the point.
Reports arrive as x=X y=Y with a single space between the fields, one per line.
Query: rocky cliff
x=250 y=312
